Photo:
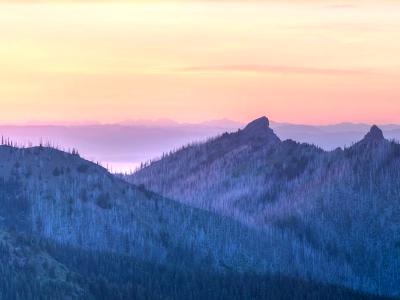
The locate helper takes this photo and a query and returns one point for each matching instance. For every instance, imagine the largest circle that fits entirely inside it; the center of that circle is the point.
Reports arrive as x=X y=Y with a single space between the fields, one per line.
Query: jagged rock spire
x=375 y=134
x=258 y=124
x=259 y=129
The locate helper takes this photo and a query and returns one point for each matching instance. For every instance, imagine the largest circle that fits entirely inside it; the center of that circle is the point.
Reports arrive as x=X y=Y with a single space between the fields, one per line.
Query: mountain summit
x=375 y=134
x=260 y=129
x=258 y=124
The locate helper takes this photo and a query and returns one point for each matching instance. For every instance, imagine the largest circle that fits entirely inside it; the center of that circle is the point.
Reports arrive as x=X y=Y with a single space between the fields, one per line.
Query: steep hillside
x=27 y=271
x=61 y=197
x=342 y=204
x=234 y=174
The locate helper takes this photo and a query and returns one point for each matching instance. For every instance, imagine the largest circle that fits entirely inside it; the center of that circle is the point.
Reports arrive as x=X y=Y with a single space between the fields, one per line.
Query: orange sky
x=297 y=61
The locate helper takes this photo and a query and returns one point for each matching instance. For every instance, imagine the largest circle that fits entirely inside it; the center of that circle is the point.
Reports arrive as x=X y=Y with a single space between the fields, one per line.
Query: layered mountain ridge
x=245 y=213
x=341 y=203
x=71 y=230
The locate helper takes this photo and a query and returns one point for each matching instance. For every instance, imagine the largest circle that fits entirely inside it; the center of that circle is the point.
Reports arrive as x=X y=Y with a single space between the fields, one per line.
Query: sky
x=313 y=62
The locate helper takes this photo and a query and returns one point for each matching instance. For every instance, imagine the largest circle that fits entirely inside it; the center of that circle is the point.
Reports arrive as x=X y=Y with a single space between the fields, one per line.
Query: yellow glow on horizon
x=307 y=61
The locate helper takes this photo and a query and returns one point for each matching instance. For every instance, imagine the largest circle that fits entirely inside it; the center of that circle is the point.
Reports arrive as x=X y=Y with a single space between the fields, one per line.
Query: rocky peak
x=260 y=129
x=375 y=134
x=258 y=124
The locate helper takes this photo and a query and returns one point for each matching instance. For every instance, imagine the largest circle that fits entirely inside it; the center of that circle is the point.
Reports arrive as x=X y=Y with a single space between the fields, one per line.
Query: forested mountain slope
x=344 y=204
x=232 y=173
x=32 y=268
x=71 y=230
x=27 y=271
x=61 y=197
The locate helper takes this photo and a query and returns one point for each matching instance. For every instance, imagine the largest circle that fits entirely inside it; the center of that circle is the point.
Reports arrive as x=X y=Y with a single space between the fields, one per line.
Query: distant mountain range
x=330 y=137
x=342 y=204
x=122 y=147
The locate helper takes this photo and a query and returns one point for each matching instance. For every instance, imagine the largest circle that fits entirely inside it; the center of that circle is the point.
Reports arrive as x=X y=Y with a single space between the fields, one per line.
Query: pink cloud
x=276 y=69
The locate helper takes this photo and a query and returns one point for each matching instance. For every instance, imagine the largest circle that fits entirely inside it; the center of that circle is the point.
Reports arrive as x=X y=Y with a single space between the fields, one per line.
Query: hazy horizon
x=122 y=147
x=223 y=121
